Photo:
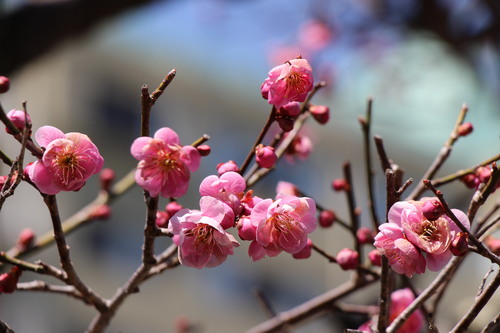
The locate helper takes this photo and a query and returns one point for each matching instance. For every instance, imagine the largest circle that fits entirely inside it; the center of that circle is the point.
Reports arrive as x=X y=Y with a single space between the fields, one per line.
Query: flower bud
x=321 y=113
x=470 y=180
x=265 y=156
x=8 y=281
x=375 y=257
x=204 y=150
x=173 y=207
x=483 y=174
x=305 y=252
x=340 y=185
x=101 y=212
x=364 y=235
x=493 y=244
x=465 y=129
x=291 y=110
x=107 y=176
x=348 y=259
x=326 y=218
x=26 y=239
x=18 y=118
x=285 y=123
x=226 y=167
x=460 y=244
x=162 y=218
x=4 y=84
x=432 y=209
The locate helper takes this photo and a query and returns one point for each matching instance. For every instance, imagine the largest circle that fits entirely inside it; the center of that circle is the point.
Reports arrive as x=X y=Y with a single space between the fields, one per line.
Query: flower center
x=68 y=167
x=283 y=222
x=428 y=231
x=202 y=233
x=295 y=81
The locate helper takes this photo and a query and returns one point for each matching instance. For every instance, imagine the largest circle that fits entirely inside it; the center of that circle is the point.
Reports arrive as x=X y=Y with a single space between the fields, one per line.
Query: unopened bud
x=470 y=180
x=375 y=258
x=326 y=218
x=8 y=281
x=483 y=173
x=305 y=252
x=204 y=150
x=465 y=129
x=107 y=177
x=285 y=123
x=460 y=244
x=4 y=84
x=364 y=235
x=173 y=207
x=265 y=156
x=162 y=218
x=348 y=259
x=321 y=113
x=291 y=110
x=101 y=212
x=432 y=209
x=226 y=167
x=19 y=119
x=26 y=239
x=493 y=244
x=340 y=185
x=287 y=188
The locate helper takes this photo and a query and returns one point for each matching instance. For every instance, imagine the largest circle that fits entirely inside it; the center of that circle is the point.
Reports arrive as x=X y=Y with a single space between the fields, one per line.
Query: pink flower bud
x=432 y=209
x=285 y=123
x=173 y=207
x=305 y=252
x=326 y=218
x=465 y=129
x=493 y=244
x=460 y=244
x=4 y=84
x=8 y=281
x=204 y=150
x=375 y=257
x=162 y=218
x=365 y=235
x=18 y=118
x=340 y=185
x=347 y=259
x=321 y=113
x=226 y=167
x=26 y=239
x=291 y=110
x=287 y=188
x=265 y=156
x=107 y=176
x=470 y=180
x=483 y=174
x=101 y=212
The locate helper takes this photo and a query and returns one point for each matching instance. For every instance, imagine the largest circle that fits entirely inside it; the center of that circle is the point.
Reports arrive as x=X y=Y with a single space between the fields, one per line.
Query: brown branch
x=38 y=285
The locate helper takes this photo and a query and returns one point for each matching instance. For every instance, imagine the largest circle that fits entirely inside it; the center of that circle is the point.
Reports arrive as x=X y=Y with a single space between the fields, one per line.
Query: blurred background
x=80 y=65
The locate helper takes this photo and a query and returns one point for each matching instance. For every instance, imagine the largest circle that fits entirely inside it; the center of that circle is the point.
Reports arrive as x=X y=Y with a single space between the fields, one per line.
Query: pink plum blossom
x=432 y=237
x=164 y=165
x=301 y=146
x=227 y=166
x=227 y=188
x=400 y=300
x=202 y=240
x=290 y=82
x=67 y=162
x=282 y=225
x=404 y=257
x=347 y=259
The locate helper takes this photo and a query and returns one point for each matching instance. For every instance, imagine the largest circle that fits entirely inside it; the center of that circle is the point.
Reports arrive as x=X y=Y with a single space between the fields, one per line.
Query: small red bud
x=107 y=177
x=465 y=129
x=265 y=156
x=204 y=150
x=460 y=244
x=493 y=244
x=432 y=209
x=340 y=185
x=101 y=212
x=347 y=259
x=470 y=180
x=483 y=173
x=8 y=281
x=327 y=218
x=291 y=110
x=4 y=84
x=321 y=113
x=285 y=123
x=162 y=218
x=364 y=235
x=375 y=258
x=26 y=239
x=173 y=207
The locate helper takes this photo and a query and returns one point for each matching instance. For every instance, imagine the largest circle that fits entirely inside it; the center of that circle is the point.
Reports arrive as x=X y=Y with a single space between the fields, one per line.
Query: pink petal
x=46 y=134
x=167 y=135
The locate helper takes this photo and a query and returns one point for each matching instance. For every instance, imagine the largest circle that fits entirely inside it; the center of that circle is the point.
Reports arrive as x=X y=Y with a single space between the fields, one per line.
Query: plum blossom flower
x=290 y=82
x=400 y=300
x=202 y=240
x=164 y=165
x=404 y=257
x=433 y=237
x=265 y=156
x=227 y=188
x=282 y=225
x=67 y=162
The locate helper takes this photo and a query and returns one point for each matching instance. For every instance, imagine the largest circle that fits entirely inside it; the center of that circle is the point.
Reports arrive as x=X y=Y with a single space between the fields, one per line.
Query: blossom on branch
x=202 y=240
x=164 y=165
x=290 y=82
x=67 y=162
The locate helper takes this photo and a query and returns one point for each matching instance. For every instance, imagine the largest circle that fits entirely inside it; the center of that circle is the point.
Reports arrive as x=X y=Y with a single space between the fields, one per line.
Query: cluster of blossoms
x=418 y=235
x=481 y=175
